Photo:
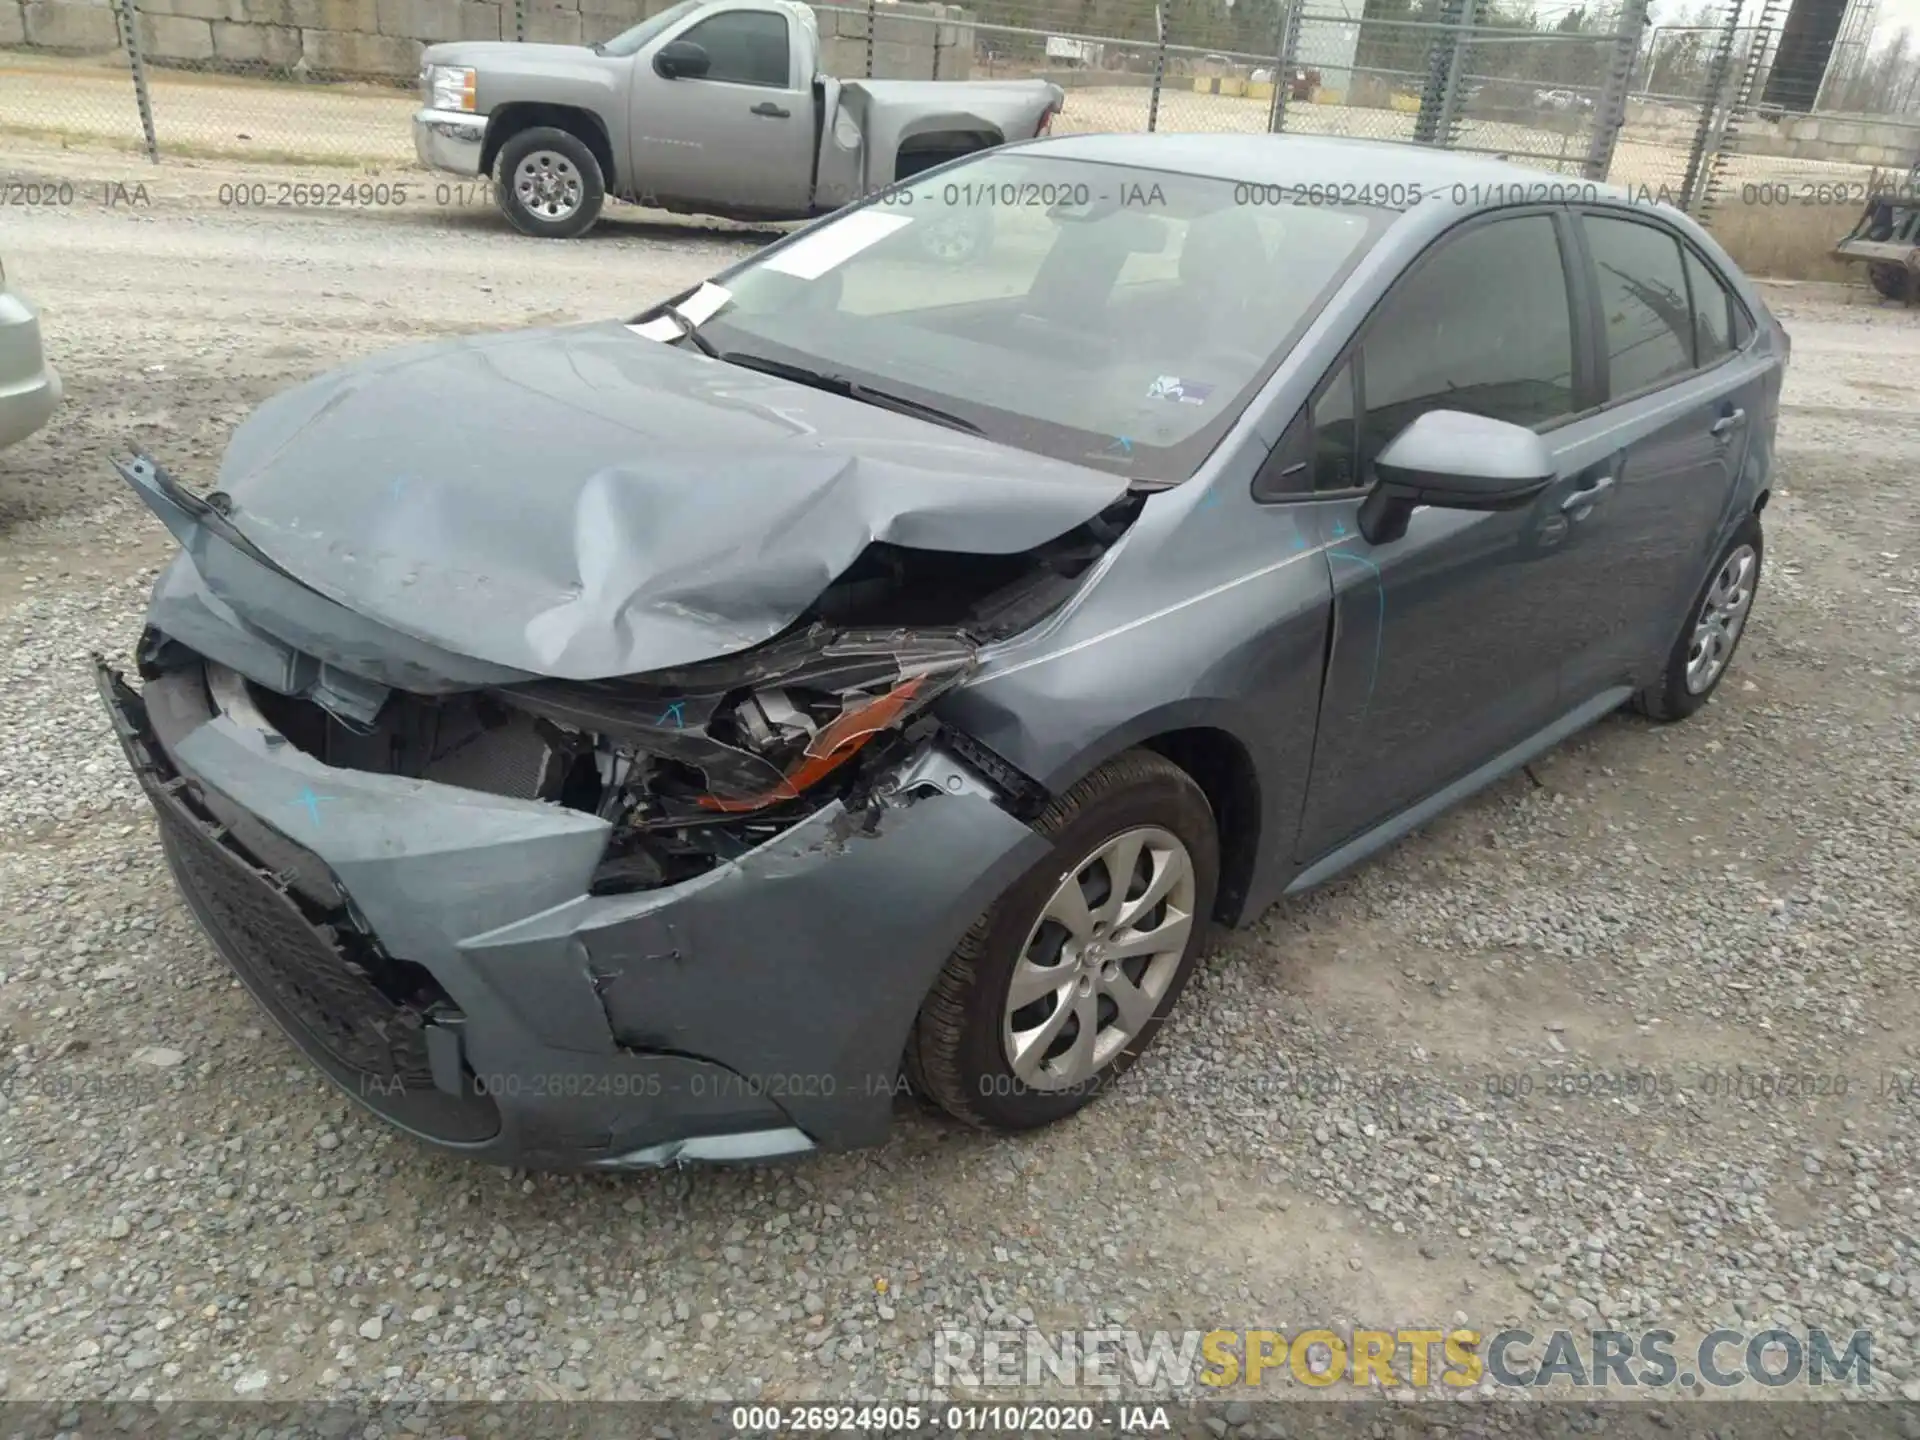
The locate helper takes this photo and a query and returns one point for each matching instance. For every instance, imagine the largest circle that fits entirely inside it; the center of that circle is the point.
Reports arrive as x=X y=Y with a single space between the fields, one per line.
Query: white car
x=29 y=387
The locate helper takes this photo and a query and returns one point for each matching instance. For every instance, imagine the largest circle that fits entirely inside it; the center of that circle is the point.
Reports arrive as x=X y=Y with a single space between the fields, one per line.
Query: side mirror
x=1455 y=461
x=681 y=60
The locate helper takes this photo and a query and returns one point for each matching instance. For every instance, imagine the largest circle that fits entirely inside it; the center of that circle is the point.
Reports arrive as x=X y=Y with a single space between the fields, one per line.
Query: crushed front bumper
x=450 y=140
x=437 y=953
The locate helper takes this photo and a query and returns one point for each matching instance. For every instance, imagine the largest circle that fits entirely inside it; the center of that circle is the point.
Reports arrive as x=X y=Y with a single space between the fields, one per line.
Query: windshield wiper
x=852 y=389
x=690 y=331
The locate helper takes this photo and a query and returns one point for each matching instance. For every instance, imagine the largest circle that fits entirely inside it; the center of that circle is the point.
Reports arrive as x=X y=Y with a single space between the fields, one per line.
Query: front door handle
x=1586 y=496
x=1726 y=424
x=772 y=111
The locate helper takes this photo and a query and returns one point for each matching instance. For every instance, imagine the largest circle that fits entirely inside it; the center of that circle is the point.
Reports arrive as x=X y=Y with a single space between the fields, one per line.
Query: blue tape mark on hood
x=582 y=503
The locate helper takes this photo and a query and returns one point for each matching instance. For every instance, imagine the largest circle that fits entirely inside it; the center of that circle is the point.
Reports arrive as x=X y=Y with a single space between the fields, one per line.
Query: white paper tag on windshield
x=813 y=255
x=699 y=307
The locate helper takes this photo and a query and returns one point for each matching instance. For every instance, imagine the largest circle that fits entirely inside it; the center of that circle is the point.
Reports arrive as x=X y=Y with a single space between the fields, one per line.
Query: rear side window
x=1484 y=326
x=747 y=47
x=1646 y=320
x=1713 y=334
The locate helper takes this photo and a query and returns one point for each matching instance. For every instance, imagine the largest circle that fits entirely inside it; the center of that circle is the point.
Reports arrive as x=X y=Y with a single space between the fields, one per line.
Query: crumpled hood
x=582 y=502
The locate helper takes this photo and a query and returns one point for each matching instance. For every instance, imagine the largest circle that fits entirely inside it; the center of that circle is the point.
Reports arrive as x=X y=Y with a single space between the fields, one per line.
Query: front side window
x=1645 y=317
x=629 y=42
x=1483 y=326
x=745 y=47
x=1098 y=313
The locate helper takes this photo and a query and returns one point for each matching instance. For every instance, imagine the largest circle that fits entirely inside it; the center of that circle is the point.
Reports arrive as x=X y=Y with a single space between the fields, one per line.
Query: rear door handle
x=1587 y=495
x=1726 y=424
x=772 y=111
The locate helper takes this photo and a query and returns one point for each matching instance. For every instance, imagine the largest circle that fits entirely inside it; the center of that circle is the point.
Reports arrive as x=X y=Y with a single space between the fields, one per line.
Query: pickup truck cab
x=714 y=107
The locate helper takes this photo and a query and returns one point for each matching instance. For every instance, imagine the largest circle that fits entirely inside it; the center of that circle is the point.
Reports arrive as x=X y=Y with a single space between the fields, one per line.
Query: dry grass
x=1785 y=242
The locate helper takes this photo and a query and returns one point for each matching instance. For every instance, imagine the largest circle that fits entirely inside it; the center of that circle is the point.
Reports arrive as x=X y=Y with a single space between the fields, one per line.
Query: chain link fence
x=66 y=74
x=1679 y=112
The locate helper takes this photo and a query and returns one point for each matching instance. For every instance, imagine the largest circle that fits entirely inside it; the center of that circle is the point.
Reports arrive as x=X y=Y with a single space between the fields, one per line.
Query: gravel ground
x=1371 y=1108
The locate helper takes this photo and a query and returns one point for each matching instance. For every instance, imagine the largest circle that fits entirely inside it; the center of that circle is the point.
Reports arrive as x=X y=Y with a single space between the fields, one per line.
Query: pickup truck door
x=739 y=139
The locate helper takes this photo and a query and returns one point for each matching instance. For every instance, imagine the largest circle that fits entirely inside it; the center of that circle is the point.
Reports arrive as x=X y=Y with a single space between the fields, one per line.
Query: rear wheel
x=1716 y=622
x=1064 y=982
x=549 y=183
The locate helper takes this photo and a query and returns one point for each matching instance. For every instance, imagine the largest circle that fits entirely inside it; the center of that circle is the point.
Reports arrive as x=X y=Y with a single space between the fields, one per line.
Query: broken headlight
x=745 y=733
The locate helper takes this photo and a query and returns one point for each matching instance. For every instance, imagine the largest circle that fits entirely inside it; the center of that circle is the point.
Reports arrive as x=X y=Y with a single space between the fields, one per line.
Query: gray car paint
x=697 y=145
x=595 y=558
x=1272 y=630
x=1138 y=634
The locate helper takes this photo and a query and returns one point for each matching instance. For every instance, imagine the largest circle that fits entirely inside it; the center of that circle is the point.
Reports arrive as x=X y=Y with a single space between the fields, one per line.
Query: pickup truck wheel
x=549 y=184
x=957 y=237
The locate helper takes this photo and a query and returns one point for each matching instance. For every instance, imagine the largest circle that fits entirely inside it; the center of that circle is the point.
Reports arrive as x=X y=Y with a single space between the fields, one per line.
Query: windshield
x=628 y=42
x=1101 y=314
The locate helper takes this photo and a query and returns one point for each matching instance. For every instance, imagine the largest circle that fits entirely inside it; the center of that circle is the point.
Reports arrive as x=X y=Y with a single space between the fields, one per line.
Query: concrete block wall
x=1859 y=139
x=383 y=39
x=911 y=41
x=1848 y=139
x=60 y=25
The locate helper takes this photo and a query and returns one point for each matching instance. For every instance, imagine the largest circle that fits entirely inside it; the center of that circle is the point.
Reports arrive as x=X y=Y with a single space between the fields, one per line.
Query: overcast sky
x=1893 y=14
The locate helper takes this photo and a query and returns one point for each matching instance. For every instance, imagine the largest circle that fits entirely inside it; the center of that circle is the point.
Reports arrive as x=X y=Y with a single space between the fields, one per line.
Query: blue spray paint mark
x=1122 y=444
x=1380 y=631
x=673 y=711
x=1209 y=501
x=1299 y=542
x=311 y=802
x=397 y=486
x=1340 y=529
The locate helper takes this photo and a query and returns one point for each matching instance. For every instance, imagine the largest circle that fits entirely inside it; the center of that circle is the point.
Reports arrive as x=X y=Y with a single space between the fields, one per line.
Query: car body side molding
x=1414 y=816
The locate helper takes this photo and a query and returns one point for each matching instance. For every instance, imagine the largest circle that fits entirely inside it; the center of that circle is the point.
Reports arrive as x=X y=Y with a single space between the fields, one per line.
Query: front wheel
x=1062 y=984
x=549 y=183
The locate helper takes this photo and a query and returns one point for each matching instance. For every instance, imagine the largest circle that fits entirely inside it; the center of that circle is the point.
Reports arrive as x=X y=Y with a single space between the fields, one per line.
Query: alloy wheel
x=1723 y=614
x=1098 y=962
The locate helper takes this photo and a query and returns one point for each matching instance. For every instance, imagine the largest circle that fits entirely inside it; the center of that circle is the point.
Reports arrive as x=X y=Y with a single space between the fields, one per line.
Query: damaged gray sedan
x=670 y=739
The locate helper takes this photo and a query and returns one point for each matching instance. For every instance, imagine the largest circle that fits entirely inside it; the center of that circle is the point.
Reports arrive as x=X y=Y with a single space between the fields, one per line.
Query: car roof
x=1314 y=160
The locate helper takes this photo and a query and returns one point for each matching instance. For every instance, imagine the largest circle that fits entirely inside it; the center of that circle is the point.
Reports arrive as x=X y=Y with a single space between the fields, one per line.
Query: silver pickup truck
x=711 y=107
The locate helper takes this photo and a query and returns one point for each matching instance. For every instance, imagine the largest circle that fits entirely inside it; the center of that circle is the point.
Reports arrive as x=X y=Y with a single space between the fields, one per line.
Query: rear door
x=1682 y=394
x=740 y=137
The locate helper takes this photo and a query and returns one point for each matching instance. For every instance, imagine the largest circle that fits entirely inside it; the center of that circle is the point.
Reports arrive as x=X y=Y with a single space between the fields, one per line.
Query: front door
x=739 y=138
x=1447 y=643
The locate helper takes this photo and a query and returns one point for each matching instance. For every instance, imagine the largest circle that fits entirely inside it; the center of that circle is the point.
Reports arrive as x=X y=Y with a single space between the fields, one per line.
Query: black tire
x=956 y=1056
x=1670 y=698
x=569 y=153
x=1895 y=282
